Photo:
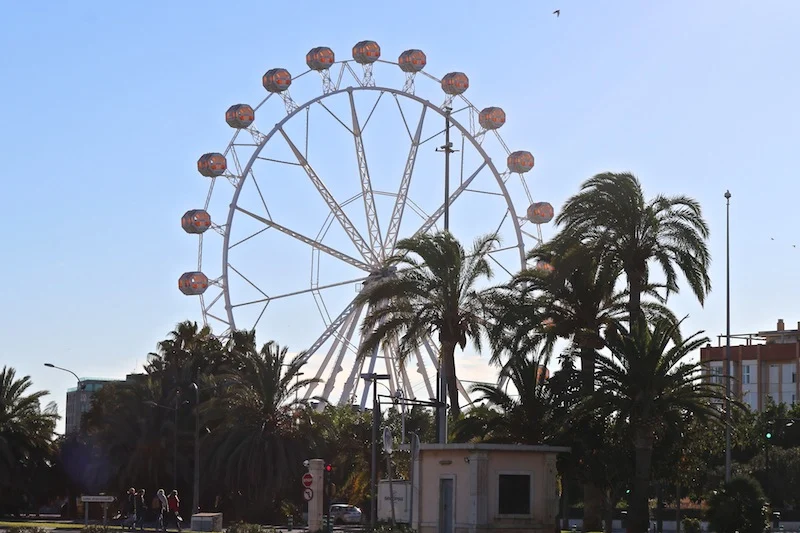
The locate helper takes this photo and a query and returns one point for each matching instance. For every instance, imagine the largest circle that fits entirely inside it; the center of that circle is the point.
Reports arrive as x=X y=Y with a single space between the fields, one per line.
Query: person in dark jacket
x=140 y=509
x=129 y=510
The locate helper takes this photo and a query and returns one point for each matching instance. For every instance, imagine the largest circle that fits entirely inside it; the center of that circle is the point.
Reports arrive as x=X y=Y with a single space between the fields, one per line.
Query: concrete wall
x=476 y=478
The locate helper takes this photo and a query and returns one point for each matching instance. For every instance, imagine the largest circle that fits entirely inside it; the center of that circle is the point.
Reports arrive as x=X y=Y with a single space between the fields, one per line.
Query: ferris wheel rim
x=246 y=169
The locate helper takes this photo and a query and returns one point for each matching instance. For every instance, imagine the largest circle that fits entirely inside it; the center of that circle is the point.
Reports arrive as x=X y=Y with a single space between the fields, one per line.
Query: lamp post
x=441 y=384
x=373 y=377
x=81 y=384
x=196 y=491
x=81 y=388
x=727 y=336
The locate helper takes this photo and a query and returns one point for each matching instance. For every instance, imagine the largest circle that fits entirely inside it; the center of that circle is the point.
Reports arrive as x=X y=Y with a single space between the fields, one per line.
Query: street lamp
x=81 y=396
x=196 y=491
x=81 y=384
x=727 y=336
x=373 y=377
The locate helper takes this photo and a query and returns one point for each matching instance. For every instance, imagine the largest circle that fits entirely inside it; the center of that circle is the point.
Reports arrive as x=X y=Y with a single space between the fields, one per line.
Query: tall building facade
x=763 y=365
x=79 y=400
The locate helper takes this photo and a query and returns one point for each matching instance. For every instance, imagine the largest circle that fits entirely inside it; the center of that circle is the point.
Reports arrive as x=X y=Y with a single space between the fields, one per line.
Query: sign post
x=313 y=493
x=387 y=447
x=105 y=500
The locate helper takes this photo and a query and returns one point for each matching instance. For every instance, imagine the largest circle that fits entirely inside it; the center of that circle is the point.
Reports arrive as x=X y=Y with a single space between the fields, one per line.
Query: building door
x=446 y=505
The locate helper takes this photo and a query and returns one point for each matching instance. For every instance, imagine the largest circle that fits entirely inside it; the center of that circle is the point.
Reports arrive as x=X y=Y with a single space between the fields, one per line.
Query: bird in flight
x=557 y=13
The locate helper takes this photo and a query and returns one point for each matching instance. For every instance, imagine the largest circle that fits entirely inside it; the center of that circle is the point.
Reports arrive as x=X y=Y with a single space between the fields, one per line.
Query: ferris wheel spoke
x=326 y=108
x=374 y=106
x=206 y=308
x=405 y=182
x=345 y=341
x=373 y=225
x=423 y=371
x=333 y=326
x=438 y=213
x=295 y=293
x=309 y=241
x=335 y=208
x=403 y=115
x=248 y=281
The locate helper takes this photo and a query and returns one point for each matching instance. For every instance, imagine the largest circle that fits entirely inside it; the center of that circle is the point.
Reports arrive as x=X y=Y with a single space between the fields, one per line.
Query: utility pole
x=727 y=336
x=196 y=492
x=175 y=442
x=376 y=421
x=441 y=382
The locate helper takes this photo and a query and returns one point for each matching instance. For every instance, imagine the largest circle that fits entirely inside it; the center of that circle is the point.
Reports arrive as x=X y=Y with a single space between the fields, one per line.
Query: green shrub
x=691 y=525
x=738 y=506
x=244 y=527
x=388 y=528
x=95 y=529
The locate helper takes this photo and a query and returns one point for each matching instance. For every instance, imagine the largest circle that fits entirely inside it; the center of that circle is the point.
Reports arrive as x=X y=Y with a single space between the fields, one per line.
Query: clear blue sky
x=106 y=107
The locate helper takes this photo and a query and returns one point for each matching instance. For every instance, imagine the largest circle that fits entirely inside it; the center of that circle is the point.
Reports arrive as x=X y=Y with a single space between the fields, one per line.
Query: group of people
x=165 y=508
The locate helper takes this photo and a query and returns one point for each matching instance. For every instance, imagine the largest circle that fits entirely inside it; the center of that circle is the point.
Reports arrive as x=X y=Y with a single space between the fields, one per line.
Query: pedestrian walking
x=174 y=504
x=139 y=509
x=163 y=510
x=129 y=510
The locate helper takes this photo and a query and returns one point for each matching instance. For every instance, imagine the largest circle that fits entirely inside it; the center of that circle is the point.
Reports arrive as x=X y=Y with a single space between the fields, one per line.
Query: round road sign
x=307 y=479
x=308 y=494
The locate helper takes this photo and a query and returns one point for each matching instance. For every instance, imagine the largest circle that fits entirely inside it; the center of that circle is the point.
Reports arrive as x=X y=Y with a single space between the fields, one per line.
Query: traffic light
x=768 y=435
x=328 y=468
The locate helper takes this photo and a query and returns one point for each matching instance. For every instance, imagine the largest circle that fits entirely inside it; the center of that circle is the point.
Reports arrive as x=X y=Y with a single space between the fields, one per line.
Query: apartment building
x=79 y=399
x=764 y=364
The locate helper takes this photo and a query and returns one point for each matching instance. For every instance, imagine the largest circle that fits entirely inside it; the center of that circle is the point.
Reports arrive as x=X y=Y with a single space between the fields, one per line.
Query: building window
x=794 y=376
x=716 y=372
x=514 y=494
x=746 y=374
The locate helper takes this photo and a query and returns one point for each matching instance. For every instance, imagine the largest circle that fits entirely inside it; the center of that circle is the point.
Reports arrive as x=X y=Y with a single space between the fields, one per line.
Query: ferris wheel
x=317 y=186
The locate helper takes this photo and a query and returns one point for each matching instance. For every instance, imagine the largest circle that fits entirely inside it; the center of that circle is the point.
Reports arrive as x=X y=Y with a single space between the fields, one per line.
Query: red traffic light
x=328 y=467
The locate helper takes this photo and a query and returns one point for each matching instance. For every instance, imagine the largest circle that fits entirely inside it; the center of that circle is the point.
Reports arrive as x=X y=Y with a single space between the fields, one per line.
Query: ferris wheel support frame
x=376 y=251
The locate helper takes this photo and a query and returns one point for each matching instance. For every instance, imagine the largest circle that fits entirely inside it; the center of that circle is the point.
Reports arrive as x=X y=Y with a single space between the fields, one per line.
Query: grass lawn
x=66 y=525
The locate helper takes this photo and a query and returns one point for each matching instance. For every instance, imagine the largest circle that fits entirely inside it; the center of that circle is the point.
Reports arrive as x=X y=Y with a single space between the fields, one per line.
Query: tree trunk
x=635 y=286
x=565 y=496
x=587 y=356
x=592 y=494
x=592 y=507
x=660 y=507
x=639 y=513
x=449 y=374
x=609 y=509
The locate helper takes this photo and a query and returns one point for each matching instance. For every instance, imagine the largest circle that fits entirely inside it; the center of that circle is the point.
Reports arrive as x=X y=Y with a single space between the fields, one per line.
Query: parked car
x=344 y=513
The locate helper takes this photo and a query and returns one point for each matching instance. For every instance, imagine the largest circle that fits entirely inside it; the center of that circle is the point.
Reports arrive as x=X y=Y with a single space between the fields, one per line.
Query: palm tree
x=26 y=431
x=612 y=217
x=188 y=352
x=254 y=445
x=642 y=382
x=568 y=294
x=535 y=415
x=132 y=437
x=436 y=294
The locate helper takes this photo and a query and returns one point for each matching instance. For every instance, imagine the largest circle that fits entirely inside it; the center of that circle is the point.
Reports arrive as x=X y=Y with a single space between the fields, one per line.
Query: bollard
x=290 y=522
